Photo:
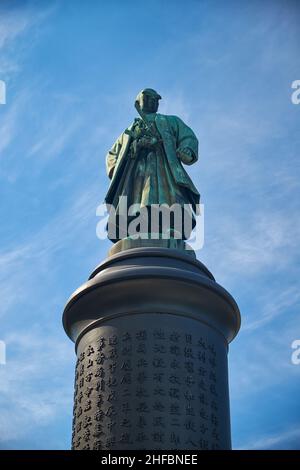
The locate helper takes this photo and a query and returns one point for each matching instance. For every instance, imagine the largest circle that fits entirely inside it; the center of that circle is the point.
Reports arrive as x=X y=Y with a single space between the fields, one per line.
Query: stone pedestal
x=151 y=328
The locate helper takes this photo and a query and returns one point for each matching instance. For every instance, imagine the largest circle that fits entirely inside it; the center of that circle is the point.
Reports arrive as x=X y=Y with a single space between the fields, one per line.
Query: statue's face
x=149 y=103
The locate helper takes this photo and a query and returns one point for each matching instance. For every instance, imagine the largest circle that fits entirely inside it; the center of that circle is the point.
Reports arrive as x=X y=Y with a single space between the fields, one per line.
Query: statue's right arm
x=112 y=156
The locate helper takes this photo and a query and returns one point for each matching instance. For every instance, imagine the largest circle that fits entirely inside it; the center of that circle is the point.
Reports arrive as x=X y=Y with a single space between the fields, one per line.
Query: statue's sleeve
x=185 y=140
x=112 y=156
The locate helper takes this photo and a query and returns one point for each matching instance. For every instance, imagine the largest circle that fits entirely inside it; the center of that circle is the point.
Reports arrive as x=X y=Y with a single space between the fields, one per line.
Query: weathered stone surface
x=151 y=328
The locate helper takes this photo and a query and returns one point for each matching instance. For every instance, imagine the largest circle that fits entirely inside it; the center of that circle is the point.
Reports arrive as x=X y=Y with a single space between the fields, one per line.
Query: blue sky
x=72 y=70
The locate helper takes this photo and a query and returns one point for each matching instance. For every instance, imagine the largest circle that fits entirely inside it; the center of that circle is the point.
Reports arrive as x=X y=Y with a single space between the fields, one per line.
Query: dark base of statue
x=151 y=328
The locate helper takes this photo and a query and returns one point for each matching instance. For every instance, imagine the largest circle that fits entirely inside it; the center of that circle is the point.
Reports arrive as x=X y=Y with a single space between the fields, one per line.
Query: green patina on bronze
x=146 y=161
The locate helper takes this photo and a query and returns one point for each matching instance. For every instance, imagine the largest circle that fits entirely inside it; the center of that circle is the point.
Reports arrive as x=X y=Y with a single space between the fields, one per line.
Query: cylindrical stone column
x=151 y=328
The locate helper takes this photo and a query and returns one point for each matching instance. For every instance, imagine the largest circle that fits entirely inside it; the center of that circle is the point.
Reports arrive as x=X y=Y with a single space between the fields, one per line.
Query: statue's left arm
x=186 y=141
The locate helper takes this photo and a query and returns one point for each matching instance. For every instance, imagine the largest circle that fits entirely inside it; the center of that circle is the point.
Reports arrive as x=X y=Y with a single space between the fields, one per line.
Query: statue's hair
x=148 y=91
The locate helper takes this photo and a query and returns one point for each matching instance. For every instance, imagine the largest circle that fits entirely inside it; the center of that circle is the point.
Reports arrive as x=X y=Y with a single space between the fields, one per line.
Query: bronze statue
x=145 y=162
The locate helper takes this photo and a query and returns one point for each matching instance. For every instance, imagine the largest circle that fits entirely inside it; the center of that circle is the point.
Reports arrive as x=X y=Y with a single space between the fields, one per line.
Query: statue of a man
x=146 y=161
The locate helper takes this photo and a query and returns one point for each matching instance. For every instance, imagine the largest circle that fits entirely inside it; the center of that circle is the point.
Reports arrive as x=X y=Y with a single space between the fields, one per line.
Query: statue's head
x=148 y=100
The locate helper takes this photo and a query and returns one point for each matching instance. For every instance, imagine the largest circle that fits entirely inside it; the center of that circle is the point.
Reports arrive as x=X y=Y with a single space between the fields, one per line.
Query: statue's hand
x=185 y=154
x=147 y=141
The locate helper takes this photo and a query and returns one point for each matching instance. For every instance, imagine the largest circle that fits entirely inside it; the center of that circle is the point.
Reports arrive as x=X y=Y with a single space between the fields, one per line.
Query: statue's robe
x=156 y=175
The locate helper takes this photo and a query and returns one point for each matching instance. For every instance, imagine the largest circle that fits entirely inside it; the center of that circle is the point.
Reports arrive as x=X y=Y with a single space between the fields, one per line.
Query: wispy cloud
x=255 y=366
x=23 y=264
x=274 y=305
x=52 y=140
x=10 y=121
x=268 y=241
x=12 y=24
x=288 y=439
x=26 y=403
x=175 y=102
x=16 y=21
